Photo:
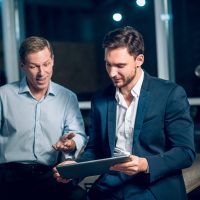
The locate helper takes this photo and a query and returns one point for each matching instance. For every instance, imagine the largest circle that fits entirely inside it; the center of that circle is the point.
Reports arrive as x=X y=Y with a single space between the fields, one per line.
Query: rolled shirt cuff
x=80 y=141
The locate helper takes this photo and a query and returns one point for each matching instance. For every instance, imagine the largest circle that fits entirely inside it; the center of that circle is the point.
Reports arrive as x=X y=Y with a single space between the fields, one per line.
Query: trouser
x=129 y=190
x=35 y=182
x=96 y=194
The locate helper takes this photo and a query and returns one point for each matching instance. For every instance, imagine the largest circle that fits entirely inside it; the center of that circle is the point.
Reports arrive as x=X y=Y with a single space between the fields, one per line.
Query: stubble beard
x=127 y=81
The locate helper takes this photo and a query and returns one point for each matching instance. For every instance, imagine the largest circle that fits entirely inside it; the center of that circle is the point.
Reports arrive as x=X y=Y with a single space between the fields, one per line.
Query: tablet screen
x=89 y=168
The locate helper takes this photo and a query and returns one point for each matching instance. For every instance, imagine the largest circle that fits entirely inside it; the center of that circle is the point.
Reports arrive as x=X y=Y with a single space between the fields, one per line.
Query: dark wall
x=78 y=32
x=186 y=18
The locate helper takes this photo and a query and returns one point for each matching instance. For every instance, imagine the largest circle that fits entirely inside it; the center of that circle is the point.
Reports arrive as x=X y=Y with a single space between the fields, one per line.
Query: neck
x=128 y=98
x=126 y=90
x=38 y=94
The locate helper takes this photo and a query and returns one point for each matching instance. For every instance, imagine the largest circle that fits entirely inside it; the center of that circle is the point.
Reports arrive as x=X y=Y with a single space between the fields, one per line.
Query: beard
x=125 y=80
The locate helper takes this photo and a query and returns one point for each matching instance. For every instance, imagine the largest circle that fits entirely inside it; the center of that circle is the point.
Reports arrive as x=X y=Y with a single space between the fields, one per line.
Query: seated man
x=34 y=114
x=140 y=115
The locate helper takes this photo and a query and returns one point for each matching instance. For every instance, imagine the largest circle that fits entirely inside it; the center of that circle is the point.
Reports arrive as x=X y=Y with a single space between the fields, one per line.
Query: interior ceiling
x=84 y=4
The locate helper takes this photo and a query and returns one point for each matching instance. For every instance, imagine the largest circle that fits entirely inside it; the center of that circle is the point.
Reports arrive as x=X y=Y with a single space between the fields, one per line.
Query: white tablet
x=89 y=168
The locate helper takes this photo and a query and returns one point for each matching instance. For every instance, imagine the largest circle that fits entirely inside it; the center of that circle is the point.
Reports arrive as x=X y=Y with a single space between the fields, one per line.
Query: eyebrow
x=119 y=63
x=38 y=63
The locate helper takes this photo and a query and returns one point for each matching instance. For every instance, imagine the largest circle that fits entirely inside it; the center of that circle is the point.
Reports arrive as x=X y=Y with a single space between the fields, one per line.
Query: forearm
x=168 y=162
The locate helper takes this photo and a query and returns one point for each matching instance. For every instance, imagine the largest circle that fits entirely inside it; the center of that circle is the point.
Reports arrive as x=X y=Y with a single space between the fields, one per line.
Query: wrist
x=145 y=166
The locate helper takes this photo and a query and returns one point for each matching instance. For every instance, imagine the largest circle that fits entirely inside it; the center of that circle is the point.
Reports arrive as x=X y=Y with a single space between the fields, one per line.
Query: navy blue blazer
x=163 y=134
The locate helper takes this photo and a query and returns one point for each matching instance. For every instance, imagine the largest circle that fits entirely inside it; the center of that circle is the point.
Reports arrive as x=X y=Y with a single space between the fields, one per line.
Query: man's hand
x=132 y=167
x=57 y=175
x=65 y=143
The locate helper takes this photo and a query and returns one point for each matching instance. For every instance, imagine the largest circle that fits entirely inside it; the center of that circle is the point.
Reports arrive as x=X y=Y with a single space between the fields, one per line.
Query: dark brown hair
x=125 y=37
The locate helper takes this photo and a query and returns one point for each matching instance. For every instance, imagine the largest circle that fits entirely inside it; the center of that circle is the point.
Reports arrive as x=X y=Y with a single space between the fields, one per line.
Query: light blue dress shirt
x=29 y=128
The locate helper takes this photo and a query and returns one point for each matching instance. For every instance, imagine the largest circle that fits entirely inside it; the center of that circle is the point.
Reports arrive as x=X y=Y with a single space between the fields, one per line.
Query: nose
x=112 y=71
x=41 y=70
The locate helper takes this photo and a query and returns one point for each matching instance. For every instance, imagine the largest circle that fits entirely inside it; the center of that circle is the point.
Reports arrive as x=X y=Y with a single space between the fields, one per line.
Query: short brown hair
x=33 y=44
x=125 y=37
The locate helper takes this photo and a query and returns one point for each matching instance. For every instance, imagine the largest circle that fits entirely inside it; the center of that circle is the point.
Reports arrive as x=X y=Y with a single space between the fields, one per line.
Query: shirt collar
x=135 y=91
x=23 y=88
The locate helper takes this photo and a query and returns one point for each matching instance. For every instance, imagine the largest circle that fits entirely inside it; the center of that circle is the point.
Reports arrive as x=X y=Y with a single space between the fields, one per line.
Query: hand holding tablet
x=89 y=168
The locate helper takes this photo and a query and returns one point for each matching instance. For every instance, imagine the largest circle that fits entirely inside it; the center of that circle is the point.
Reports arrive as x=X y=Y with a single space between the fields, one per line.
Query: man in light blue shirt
x=35 y=113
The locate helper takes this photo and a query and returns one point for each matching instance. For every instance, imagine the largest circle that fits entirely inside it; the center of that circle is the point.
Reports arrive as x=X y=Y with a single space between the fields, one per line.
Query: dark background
x=76 y=29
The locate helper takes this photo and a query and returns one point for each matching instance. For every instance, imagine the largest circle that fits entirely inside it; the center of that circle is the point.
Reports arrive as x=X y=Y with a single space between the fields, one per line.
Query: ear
x=139 y=60
x=53 y=59
x=22 y=66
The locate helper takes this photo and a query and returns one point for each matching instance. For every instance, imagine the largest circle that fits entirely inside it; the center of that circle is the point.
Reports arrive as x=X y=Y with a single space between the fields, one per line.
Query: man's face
x=122 y=67
x=39 y=69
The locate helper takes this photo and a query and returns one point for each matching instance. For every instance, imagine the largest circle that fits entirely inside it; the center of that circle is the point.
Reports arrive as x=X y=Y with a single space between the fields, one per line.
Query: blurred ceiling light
x=141 y=2
x=117 y=17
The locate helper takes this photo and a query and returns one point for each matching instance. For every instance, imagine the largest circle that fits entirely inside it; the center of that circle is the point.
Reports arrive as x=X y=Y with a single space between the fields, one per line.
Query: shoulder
x=102 y=98
x=62 y=91
x=104 y=94
x=158 y=85
x=10 y=87
x=159 y=81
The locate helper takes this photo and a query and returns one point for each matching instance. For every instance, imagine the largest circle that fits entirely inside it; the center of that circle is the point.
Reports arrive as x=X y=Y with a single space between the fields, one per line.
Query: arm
x=74 y=138
x=179 y=132
x=177 y=151
x=93 y=148
x=89 y=152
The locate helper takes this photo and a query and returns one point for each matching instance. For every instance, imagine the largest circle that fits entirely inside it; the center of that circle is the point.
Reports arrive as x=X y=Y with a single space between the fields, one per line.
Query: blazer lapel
x=141 y=110
x=111 y=123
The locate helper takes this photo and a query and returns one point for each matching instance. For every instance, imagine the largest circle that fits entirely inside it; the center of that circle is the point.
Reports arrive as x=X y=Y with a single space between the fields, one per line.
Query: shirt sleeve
x=80 y=141
x=74 y=124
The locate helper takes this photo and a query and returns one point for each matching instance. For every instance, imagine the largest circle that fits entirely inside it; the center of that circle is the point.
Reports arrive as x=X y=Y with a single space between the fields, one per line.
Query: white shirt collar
x=135 y=91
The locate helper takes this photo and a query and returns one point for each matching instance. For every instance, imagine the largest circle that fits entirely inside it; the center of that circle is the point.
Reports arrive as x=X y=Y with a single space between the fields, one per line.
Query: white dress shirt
x=125 y=119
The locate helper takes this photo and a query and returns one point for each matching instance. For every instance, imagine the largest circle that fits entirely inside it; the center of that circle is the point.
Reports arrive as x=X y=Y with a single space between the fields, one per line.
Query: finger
x=69 y=136
x=60 y=146
x=132 y=157
x=65 y=180
x=56 y=175
x=124 y=165
x=54 y=146
x=55 y=170
x=57 y=146
x=70 y=144
x=130 y=171
x=123 y=168
x=67 y=143
x=65 y=149
x=115 y=168
x=61 y=180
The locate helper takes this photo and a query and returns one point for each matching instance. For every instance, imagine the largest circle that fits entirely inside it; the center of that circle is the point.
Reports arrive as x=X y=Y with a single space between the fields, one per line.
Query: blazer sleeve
x=93 y=149
x=179 y=133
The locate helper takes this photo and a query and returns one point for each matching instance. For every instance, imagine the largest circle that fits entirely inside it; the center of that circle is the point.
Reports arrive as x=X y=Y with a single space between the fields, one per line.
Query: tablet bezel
x=89 y=168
